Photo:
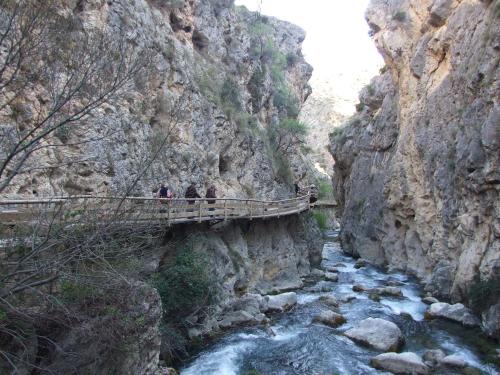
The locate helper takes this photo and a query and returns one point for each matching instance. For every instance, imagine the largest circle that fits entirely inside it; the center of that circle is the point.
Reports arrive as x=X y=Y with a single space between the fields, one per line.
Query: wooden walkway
x=75 y=209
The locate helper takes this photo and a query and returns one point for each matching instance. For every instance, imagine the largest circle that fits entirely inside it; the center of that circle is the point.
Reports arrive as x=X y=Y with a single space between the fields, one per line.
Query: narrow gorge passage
x=295 y=344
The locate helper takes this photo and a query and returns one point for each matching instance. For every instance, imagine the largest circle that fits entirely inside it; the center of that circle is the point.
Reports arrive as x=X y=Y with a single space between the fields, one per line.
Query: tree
x=287 y=134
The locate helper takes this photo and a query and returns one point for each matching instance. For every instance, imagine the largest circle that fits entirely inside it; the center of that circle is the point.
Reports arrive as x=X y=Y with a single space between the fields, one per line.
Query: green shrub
x=321 y=219
x=483 y=294
x=286 y=102
x=325 y=189
x=184 y=285
x=72 y=292
x=230 y=94
x=255 y=86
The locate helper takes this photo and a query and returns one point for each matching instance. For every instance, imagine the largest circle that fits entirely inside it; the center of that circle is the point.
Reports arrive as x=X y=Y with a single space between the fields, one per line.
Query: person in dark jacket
x=211 y=194
x=163 y=192
x=191 y=193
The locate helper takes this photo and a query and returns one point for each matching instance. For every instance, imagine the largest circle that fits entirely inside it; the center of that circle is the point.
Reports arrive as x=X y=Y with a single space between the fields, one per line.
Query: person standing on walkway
x=191 y=193
x=163 y=191
x=211 y=193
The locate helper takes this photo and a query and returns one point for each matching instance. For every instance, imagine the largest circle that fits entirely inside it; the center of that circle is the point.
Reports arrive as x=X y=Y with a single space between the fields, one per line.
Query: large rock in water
x=400 y=363
x=457 y=312
x=280 y=302
x=329 y=318
x=377 y=333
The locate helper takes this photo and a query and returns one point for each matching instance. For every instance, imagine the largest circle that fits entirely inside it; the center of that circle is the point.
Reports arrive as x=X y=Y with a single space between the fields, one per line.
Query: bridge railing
x=135 y=209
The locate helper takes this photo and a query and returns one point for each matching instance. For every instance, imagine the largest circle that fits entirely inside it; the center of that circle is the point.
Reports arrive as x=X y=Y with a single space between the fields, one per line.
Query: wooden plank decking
x=71 y=209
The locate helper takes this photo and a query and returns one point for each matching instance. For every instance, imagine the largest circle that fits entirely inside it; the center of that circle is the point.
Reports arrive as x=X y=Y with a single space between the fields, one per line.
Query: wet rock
x=329 y=318
x=317 y=273
x=400 y=363
x=433 y=357
x=332 y=269
x=377 y=333
x=374 y=297
x=329 y=301
x=388 y=291
x=359 y=288
x=330 y=276
x=339 y=265
x=361 y=263
x=429 y=300
x=240 y=317
x=348 y=298
x=457 y=312
x=441 y=280
x=454 y=361
x=491 y=321
x=280 y=302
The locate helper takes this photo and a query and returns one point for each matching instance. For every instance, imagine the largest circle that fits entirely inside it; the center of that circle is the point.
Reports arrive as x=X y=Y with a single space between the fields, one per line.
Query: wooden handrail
x=69 y=209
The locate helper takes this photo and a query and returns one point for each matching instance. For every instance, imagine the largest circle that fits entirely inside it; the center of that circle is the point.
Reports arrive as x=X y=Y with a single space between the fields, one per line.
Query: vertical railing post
x=199 y=211
x=251 y=204
x=169 y=203
x=225 y=209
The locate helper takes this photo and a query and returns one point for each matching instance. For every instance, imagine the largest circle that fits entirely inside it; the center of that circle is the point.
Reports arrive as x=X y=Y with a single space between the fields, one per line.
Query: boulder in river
x=329 y=301
x=400 y=363
x=330 y=276
x=391 y=291
x=429 y=300
x=240 y=317
x=377 y=333
x=359 y=288
x=453 y=361
x=433 y=357
x=361 y=263
x=457 y=312
x=280 y=302
x=329 y=318
x=317 y=273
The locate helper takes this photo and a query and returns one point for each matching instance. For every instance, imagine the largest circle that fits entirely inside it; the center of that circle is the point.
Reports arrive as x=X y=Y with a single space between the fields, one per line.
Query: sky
x=337 y=44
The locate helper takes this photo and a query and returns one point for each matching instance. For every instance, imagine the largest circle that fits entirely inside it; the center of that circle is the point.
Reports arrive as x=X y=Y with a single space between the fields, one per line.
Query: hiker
x=211 y=194
x=313 y=190
x=163 y=191
x=191 y=193
x=297 y=189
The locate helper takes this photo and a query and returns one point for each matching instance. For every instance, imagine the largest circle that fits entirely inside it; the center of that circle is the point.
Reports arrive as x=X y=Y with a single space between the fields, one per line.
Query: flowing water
x=301 y=347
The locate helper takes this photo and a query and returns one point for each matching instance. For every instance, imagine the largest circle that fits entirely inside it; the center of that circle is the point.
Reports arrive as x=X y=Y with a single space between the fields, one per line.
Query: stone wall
x=417 y=168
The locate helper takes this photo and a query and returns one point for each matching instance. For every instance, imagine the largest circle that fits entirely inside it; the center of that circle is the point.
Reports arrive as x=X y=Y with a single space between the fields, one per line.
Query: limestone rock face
x=210 y=90
x=417 y=168
x=377 y=333
x=400 y=363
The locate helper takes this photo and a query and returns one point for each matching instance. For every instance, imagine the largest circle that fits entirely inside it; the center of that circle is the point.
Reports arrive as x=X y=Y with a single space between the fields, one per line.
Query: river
x=300 y=347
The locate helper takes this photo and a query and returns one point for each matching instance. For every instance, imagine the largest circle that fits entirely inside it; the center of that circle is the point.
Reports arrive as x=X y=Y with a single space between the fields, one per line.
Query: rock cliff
x=220 y=76
x=417 y=168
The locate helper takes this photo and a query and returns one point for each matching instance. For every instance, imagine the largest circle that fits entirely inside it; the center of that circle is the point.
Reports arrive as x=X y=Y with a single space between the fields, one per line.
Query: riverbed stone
x=317 y=273
x=329 y=318
x=359 y=288
x=329 y=301
x=330 y=276
x=454 y=361
x=377 y=333
x=406 y=363
x=433 y=356
x=391 y=291
x=457 y=312
x=280 y=302
x=429 y=300
x=240 y=317
x=361 y=263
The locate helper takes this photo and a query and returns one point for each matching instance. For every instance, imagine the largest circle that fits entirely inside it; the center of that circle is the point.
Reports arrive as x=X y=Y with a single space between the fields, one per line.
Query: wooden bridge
x=75 y=209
